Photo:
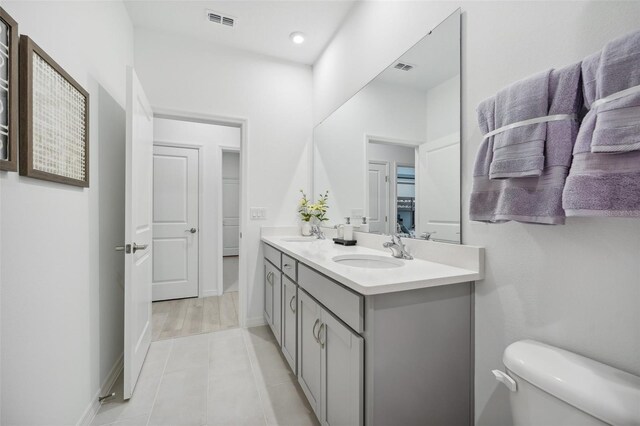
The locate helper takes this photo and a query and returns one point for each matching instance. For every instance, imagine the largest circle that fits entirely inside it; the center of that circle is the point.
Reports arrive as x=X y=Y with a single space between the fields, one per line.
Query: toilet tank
x=557 y=387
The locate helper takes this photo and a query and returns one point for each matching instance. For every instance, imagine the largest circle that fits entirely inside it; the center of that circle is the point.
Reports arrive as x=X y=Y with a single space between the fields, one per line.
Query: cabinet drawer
x=345 y=304
x=272 y=255
x=289 y=267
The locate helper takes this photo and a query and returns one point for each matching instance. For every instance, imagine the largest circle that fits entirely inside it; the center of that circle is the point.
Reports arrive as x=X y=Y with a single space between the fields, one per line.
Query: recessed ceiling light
x=297 y=37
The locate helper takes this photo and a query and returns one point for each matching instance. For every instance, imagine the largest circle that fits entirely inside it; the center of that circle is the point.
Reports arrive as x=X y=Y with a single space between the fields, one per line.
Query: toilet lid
x=606 y=393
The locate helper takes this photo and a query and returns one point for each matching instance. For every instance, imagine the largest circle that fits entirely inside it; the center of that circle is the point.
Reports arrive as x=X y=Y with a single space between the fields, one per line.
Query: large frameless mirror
x=390 y=155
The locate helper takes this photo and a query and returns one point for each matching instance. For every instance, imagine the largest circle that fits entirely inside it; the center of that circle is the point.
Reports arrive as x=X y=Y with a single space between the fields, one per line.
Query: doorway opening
x=230 y=220
x=190 y=176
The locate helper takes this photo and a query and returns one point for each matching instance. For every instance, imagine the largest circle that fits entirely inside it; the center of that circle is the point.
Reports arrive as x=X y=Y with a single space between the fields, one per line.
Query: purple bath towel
x=601 y=183
x=519 y=152
x=536 y=199
x=617 y=126
x=565 y=97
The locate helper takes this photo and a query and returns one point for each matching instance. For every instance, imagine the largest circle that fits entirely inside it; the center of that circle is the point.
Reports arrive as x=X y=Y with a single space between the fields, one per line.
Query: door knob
x=137 y=247
x=192 y=230
x=126 y=248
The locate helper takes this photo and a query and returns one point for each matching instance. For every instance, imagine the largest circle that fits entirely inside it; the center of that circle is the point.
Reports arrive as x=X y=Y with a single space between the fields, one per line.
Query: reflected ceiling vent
x=403 y=67
x=219 y=18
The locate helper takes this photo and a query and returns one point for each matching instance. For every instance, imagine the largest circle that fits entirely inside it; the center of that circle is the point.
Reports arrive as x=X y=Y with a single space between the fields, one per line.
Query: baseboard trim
x=255 y=322
x=93 y=407
x=209 y=293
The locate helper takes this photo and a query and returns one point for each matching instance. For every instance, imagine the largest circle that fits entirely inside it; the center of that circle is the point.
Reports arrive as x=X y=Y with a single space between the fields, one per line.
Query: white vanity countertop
x=415 y=273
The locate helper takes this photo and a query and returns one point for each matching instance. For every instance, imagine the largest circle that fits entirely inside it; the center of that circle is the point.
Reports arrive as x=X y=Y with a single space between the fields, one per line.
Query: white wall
x=373 y=35
x=275 y=97
x=211 y=138
x=576 y=286
x=61 y=300
x=391 y=153
x=443 y=109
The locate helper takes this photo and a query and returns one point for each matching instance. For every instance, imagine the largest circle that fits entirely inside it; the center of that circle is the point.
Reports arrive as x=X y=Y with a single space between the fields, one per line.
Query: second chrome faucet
x=397 y=248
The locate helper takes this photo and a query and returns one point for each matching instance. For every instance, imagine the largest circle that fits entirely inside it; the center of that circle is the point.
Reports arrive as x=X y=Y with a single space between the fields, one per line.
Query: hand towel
x=602 y=184
x=528 y=199
x=534 y=199
x=617 y=125
x=485 y=192
x=565 y=97
x=519 y=152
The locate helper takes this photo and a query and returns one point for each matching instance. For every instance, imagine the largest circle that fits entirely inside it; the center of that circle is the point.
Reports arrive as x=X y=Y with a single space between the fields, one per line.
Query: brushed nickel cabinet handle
x=290 y=304
x=315 y=324
x=322 y=327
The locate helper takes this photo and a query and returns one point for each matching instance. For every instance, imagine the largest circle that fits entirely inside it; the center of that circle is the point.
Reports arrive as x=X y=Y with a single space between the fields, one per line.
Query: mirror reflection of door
x=379 y=197
x=440 y=209
x=391 y=182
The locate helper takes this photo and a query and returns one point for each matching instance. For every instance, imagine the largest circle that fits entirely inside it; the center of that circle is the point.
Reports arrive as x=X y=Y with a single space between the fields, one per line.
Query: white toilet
x=554 y=387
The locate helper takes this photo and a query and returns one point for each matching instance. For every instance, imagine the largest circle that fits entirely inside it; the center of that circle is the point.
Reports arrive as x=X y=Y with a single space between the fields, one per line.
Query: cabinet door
x=268 y=292
x=342 y=372
x=277 y=306
x=289 y=321
x=309 y=352
x=273 y=299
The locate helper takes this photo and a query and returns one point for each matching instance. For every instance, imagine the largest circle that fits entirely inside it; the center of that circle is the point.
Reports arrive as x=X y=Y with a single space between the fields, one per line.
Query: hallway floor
x=187 y=317
x=230 y=377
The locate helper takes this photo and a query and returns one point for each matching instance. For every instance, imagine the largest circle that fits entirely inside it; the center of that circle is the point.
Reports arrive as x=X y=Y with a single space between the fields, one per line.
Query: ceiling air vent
x=403 y=67
x=219 y=18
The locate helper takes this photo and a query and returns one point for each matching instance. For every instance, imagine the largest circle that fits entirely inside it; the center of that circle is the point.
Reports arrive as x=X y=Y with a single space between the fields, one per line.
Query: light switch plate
x=258 y=213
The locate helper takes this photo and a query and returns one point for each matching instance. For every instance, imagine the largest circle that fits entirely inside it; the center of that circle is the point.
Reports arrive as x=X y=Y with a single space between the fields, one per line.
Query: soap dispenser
x=348 y=232
x=364 y=227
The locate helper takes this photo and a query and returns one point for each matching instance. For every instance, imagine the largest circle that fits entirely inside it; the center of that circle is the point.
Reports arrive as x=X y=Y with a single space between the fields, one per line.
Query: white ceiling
x=436 y=58
x=262 y=26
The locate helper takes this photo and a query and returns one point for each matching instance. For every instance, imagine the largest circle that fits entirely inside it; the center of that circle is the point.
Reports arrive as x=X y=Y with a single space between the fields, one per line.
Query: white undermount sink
x=299 y=239
x=368 y=261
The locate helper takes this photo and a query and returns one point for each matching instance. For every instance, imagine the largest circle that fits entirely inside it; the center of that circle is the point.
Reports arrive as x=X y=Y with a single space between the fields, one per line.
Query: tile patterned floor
x=186 y=317
x=230 y=377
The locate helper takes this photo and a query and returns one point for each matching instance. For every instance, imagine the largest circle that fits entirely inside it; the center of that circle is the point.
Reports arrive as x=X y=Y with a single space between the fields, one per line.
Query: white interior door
x=379 y=197
x=440 y=188
x=231 y=203
x=175 y=222
x=138 y=232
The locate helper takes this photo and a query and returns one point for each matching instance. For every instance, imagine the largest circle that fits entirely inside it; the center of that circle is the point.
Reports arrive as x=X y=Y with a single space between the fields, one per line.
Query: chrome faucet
x=397 y=247
x=315 y=230
x=426 y=235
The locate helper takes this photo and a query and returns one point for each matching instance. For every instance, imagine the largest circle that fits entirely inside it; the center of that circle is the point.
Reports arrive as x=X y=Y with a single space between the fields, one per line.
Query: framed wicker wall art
x=54 y=132
x=8 y=92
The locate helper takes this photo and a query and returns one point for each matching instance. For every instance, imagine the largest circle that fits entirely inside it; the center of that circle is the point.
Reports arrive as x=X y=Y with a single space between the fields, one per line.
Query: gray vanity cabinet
x=289 y=322
x=331 y=360
x=418 y=365
x=273 y=298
